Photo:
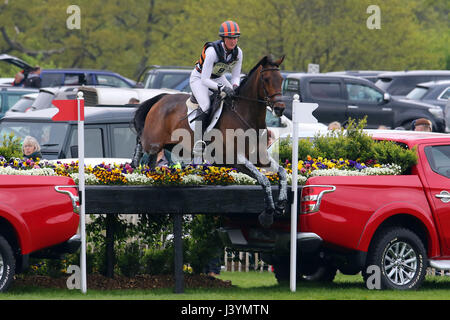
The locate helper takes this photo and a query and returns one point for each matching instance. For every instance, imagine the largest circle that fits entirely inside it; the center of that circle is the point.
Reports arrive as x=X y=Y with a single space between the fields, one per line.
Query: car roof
x=410 y=138
x=104 y=114
x=299 y=75
x=76 y=70
x=414 y=73
x=428 y=84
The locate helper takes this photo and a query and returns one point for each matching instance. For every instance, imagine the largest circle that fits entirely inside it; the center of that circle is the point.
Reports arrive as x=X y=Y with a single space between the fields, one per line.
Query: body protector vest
x=222 y=66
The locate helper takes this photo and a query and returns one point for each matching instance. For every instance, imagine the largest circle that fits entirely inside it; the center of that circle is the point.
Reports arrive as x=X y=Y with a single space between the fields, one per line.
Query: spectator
x=19 y=79
x=31 y=148
x=382 y=127
x=133 y=101
x=270 y=137
x=422 y=124
x=34 y=78
x=334 y=126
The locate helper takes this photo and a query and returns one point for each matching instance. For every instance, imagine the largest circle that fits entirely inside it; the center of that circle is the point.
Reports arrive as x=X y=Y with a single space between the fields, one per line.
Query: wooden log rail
x=176 y=201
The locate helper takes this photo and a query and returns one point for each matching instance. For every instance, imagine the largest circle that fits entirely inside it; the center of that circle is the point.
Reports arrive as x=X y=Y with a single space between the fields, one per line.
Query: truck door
x=364 y=100
x=328 y=94
x=437 y=183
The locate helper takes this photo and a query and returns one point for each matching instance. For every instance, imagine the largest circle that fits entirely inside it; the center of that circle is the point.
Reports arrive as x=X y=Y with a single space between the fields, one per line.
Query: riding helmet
x=229 y=29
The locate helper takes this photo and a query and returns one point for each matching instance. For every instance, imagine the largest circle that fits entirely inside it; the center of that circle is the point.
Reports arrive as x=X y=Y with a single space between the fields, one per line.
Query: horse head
x=270 y=84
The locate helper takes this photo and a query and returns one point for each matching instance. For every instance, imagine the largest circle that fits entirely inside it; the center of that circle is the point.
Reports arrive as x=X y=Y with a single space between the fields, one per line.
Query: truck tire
x=7 y=265
x=401 y=258
x=321 y=273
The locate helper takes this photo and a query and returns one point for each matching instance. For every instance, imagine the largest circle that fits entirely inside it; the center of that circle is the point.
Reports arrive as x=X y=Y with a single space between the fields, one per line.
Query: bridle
x=268 y=99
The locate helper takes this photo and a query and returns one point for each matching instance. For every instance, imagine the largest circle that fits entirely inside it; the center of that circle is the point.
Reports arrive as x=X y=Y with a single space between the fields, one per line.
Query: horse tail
x=141 y=113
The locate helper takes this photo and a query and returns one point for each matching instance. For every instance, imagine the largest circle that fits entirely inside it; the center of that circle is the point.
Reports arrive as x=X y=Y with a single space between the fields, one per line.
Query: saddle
x=212 y=115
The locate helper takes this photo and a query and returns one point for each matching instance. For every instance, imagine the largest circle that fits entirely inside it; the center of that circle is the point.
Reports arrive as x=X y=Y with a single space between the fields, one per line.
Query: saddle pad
x=191 y=113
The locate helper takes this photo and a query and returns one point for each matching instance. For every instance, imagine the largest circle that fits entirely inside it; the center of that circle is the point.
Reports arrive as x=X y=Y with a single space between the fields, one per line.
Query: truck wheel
x=7 y=265
x=401 y=257
x=324 y=273
x=319 y=273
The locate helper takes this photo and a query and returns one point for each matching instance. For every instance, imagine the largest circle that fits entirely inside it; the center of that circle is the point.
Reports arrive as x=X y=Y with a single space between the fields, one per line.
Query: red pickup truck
x=401 y=224
x=38 y=216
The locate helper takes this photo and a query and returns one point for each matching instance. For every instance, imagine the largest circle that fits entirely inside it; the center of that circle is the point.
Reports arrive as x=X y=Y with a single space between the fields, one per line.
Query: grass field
x=249 y=286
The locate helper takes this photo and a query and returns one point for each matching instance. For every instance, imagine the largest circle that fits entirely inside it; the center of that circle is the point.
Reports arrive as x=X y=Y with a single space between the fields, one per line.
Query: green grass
x=250 y=286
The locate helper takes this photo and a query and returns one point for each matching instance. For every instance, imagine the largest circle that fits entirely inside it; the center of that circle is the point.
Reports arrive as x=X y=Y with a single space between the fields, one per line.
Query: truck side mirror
x=74 y=151
x=386 y=97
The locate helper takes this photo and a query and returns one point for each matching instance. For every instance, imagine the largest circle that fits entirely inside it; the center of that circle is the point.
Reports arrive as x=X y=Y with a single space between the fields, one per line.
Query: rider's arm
x=208 y=65
x=236 y=72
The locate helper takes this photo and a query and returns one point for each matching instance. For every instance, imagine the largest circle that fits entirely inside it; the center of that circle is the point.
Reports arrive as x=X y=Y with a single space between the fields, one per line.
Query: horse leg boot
x=282 y=201
x=266 y=217
x=138 y=152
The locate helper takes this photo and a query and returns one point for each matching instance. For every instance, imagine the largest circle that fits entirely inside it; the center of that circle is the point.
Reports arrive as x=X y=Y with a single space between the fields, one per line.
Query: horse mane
x=265 y=60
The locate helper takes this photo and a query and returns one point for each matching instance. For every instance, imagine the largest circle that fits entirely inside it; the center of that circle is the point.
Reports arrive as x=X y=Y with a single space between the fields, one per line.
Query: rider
x=217 y=58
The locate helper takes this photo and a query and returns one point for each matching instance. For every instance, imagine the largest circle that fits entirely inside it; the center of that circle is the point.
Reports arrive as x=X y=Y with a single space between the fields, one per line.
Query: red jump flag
x=68 y=110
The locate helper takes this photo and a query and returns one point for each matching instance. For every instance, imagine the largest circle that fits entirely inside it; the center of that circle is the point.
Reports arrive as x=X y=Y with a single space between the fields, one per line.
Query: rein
x=267 y=99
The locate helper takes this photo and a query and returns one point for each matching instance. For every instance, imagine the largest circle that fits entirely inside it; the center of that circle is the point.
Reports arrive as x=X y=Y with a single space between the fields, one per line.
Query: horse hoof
x=280 y=208
x=265 y=219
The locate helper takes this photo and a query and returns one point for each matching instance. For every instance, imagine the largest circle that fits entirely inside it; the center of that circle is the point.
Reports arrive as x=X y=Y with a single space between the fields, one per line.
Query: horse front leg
x=282 y=201
x=266 y=217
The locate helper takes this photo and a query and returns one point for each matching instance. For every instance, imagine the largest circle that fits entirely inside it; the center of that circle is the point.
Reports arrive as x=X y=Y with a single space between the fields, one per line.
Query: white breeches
x=202 y=92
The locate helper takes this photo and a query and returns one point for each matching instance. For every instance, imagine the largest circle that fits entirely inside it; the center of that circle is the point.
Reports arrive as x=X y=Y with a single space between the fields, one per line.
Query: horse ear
x=279 y=61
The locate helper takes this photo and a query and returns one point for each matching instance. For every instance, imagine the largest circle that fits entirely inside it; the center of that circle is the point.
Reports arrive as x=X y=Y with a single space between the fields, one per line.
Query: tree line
x=126 y=36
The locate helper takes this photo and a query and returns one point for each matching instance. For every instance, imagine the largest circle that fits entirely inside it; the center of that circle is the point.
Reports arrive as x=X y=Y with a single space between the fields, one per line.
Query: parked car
x=170 y=77
x=43 y=99
x=94 y=96
x=10 y=95
x=400 y=83
x=74 y=76
x=370 y=75
x=71 y=77
x=108 y=132
x=434 y=92
x=341 y=97
x=348 y=223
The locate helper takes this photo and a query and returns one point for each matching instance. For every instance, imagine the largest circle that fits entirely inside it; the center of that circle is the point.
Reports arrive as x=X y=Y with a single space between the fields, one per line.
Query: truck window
x=325 y=90
x=51 y=79
x=124 y=141
x=93 y=147
x=48 y=134
x=358 y=92
x=439 y=159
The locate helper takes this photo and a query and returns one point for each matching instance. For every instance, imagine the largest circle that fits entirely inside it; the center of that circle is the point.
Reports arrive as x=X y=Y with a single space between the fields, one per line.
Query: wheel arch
x=420 y=224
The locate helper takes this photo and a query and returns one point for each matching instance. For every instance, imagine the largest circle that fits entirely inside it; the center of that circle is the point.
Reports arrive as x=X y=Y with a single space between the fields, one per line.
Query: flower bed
x=113 y=174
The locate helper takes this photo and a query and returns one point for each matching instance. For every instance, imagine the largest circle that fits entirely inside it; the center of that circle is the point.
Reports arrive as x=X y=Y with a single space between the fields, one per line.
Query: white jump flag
x=73 y=110
x=299 y=111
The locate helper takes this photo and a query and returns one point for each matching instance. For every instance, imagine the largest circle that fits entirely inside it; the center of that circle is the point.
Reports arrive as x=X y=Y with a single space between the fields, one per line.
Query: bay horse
x=158 y=118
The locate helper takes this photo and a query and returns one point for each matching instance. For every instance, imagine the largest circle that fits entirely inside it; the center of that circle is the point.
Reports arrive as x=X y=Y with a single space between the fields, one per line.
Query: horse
x=158 y=118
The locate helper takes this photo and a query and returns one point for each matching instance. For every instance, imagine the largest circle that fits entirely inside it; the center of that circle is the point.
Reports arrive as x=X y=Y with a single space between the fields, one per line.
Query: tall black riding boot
x=200 y=125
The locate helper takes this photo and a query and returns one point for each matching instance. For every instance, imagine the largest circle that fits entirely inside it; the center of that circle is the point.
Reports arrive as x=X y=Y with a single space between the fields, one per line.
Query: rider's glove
x=228 y=91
